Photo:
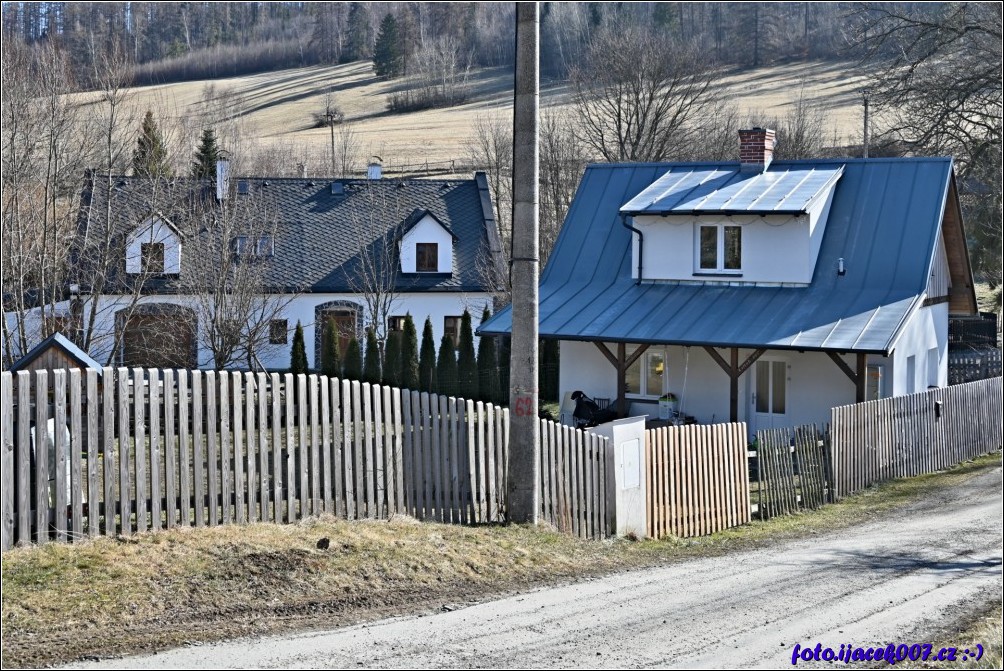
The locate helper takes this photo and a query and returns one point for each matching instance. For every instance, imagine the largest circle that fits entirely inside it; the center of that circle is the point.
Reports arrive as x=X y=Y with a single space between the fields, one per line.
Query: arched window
x=345 y=317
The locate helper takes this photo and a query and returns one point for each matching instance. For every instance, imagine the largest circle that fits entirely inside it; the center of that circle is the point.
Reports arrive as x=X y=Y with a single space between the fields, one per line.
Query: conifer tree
x=488 y=367
x=353 y=361
x=371 y=367
x=150 y=157
x=392 y=360
x=298 y=355
x=206 y=156
x=330 y=363
x=427 y=359
x=359 y=35
x=505 y=352
x=387 y=58
x=446 y=368
x=409 y=355
x=467 y=364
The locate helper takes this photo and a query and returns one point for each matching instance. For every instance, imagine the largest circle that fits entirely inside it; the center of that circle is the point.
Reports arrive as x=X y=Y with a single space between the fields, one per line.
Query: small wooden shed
x=54 y=353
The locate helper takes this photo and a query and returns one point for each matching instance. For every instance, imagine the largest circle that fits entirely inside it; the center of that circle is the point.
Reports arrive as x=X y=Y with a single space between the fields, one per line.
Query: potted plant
x=667 y=405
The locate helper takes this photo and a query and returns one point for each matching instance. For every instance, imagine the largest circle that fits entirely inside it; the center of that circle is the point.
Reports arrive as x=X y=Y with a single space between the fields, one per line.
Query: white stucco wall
x=774 y=248
x=435 y=305
x=427 y=230
x=151 y=231
x=926 y=330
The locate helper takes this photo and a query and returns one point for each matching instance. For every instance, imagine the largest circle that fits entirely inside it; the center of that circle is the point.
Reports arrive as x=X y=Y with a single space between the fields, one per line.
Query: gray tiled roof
x=319 y=233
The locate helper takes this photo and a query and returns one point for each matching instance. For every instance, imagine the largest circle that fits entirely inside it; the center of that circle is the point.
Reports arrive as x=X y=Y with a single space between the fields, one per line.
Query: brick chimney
x=756 y=149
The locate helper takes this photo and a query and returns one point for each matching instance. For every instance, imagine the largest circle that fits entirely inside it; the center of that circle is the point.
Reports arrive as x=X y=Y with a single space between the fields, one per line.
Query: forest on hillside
x=172 y=41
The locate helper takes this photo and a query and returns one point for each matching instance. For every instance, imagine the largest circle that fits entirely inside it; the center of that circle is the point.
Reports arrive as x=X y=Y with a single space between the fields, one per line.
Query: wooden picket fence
x=792 y=467
x=573 y=480
x=149 y=449
x=915 y=434
x=697 y=478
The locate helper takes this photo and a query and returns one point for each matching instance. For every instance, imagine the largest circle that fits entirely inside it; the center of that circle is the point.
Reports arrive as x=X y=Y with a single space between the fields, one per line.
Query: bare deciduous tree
x=938 y=90
x=638 y=94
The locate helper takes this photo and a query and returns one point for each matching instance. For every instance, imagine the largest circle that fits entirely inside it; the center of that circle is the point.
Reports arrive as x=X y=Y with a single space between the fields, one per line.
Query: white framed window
x=719 y=249
x=647 y=375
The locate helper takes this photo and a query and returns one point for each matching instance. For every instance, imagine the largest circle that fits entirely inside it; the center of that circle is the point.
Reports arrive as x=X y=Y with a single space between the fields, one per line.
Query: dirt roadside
x=244 y=589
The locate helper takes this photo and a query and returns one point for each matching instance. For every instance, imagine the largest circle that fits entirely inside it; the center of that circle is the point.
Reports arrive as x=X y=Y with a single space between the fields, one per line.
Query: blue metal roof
x=884 y=222
x=724 y=188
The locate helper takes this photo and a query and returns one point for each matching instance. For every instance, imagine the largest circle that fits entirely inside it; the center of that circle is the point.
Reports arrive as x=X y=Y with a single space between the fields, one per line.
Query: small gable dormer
x=426 y=244
x=757 y=222
x=154 y=247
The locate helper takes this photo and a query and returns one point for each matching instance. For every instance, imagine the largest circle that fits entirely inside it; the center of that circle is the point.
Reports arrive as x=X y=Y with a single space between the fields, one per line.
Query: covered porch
x=762 y=387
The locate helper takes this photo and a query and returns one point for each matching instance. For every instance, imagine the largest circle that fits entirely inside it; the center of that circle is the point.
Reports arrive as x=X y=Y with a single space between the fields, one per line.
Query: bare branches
x=637 y=94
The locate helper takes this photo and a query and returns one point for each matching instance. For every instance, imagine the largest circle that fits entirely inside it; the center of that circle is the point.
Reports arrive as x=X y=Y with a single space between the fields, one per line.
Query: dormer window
x=152 y=258
x=250 y=247
x=427 y=257
x=719 y=248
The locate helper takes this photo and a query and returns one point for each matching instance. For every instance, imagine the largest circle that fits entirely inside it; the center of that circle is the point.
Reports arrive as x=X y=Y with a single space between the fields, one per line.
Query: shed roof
x=65 y=344
x=884 y=221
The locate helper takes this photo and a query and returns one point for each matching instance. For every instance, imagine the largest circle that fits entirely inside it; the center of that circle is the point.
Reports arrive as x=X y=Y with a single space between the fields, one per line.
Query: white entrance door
x=770 y=395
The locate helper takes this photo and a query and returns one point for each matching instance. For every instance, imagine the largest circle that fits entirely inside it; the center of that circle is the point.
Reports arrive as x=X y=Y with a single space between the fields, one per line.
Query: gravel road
x=896 y=579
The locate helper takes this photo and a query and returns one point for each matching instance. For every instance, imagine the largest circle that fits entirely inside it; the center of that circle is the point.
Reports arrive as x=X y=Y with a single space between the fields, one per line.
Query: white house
x=759 y=291
x=322 y=248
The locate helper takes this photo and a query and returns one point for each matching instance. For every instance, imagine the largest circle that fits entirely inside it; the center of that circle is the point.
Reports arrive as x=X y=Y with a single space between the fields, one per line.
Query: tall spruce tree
x=371 y=367
x=298 y=354
x=359 y=35
x=446 y=368
x=150 y=157
x=392 y=359
x=488 y=366
x=353 y=361
x=467 y=364
x=427 y=359
x=330 y=363
x=388 y=60
x=409 y=355
x=505 y=352
x=206 y=156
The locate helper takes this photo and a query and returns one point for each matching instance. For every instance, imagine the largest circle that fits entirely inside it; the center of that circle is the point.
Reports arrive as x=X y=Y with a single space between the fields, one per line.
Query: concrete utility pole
x=524 y=437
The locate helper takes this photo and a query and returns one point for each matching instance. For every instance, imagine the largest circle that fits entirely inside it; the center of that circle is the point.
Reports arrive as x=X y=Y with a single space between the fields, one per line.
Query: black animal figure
x=587 y=413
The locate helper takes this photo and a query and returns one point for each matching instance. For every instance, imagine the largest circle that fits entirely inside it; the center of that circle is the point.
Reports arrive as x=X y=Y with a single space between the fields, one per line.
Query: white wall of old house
x=154 y=230
x=435 y=305
x=427 y=230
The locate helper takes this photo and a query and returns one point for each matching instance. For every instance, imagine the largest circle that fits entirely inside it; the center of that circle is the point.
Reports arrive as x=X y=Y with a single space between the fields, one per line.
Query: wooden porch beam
x=634 y=356
x=719 y=360
x=842 y=365
x=734 y=385
x=607 y=353
x=750 y=360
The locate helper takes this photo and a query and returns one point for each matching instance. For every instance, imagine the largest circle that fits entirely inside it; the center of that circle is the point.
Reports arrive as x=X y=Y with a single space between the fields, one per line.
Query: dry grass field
x=278 y=106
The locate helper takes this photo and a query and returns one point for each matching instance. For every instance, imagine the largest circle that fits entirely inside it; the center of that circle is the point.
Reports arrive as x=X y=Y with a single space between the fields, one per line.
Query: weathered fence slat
x=7 y=426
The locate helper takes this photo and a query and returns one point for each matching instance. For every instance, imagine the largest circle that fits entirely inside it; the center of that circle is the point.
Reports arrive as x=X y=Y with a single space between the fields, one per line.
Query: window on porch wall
x=646 y=376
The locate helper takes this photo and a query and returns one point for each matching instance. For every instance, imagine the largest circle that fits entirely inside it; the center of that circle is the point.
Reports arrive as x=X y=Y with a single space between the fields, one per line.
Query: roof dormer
x=426 y=245
x=758 y=222
x=154 y=247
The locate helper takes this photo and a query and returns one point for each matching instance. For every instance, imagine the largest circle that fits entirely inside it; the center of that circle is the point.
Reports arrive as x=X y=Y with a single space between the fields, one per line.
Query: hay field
x=277 y=106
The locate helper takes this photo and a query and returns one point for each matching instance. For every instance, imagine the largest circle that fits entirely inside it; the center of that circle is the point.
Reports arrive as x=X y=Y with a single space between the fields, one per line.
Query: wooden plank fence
x=697 y=478
x=911 y=435
x=792 y=468
x=145 y=449
x=573 y=480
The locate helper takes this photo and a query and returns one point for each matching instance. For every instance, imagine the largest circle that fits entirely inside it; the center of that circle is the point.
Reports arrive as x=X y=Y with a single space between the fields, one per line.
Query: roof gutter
x=641 y=244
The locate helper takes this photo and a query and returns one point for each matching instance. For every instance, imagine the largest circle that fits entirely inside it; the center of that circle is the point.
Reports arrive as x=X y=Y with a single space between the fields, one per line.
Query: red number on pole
x=524 y=407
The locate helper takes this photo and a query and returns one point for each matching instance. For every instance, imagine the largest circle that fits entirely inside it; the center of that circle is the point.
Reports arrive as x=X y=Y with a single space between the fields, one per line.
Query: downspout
x=641 y=244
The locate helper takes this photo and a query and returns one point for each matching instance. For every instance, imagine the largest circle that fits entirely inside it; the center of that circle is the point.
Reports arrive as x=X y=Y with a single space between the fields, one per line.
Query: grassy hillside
x=278 y=106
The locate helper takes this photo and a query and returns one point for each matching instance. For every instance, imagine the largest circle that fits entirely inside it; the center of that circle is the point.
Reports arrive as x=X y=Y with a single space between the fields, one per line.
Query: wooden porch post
x=734 y=385
x=621 y=379
x=734 y=370
x=862 y=379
